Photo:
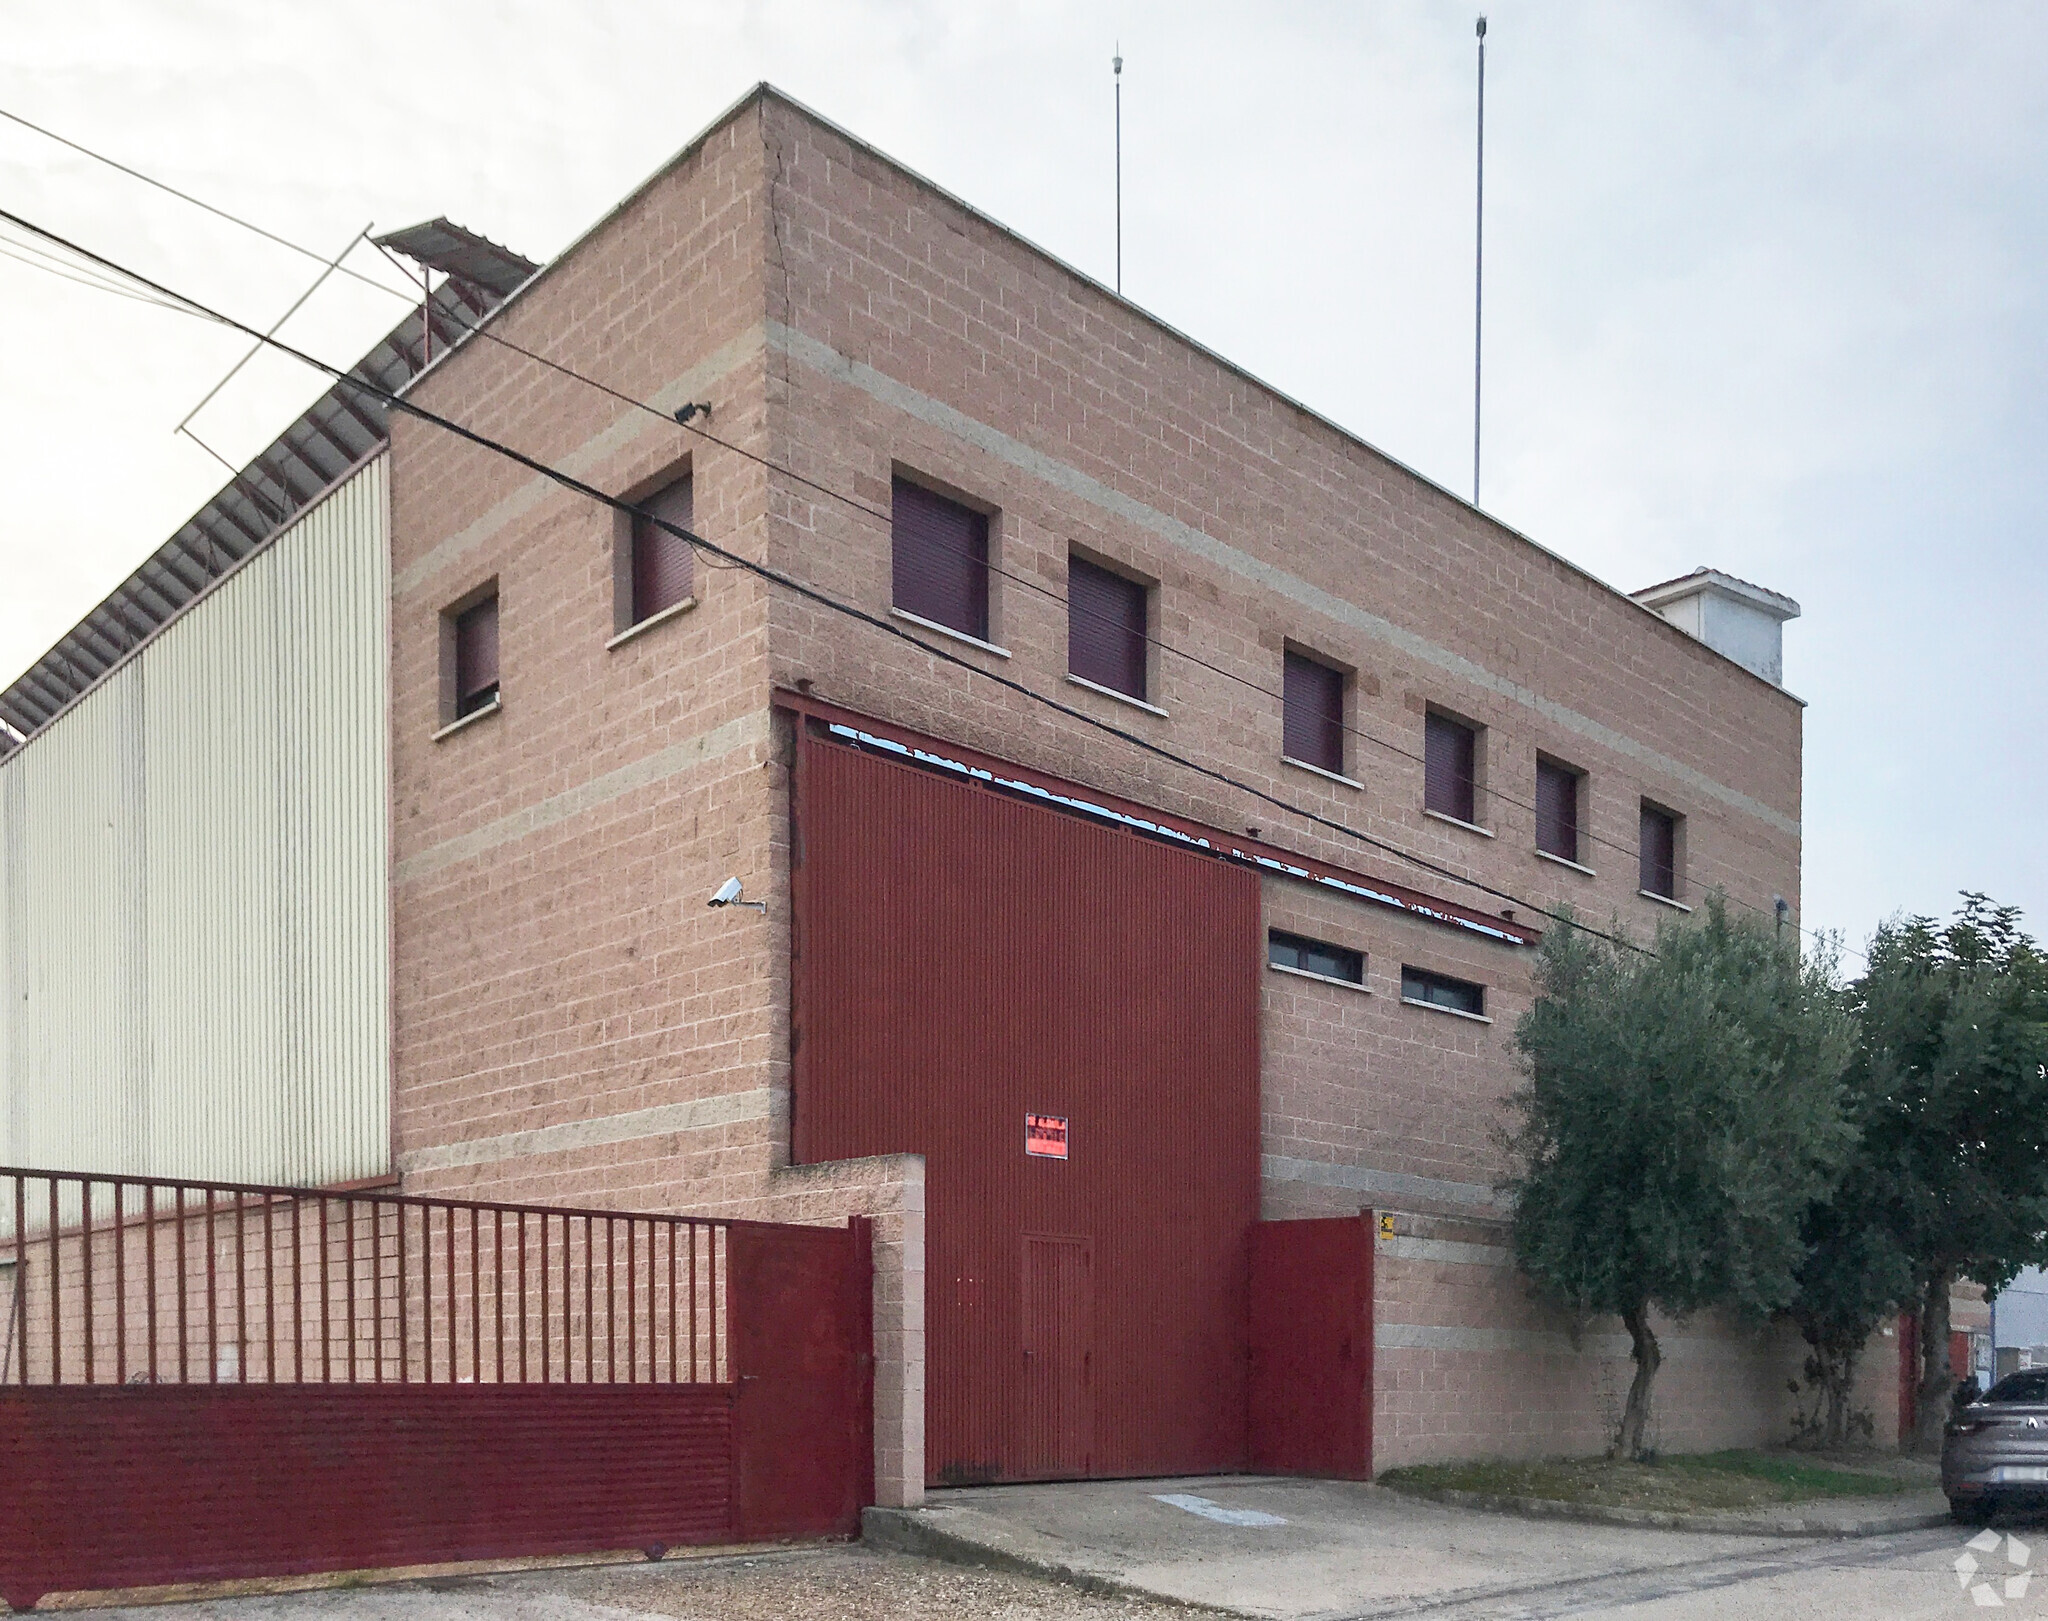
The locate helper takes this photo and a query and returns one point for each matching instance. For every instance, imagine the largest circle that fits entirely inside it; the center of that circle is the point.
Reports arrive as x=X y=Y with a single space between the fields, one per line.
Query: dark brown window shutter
x=939 y=559
x=476 y=657
x=1312 y=713
x=1658 y=843
x=1450 y=756
x=1557 y=810
x=1105 y=628
x=664 y=564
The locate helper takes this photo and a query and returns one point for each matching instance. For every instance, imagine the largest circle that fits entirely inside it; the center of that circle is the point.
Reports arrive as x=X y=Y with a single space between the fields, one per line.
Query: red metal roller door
x=965 y=959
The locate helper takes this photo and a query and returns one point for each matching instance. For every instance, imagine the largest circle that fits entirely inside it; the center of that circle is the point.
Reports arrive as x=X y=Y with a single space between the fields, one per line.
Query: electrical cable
x=50 y=264
x=570 y=482
x=1631 y=852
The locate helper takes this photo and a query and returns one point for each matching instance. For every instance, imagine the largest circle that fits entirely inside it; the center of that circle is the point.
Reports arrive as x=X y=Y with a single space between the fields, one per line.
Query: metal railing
x=133 y=1280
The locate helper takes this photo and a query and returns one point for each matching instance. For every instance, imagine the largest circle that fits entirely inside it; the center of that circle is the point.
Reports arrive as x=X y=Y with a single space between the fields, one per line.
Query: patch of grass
x=1697 y=1482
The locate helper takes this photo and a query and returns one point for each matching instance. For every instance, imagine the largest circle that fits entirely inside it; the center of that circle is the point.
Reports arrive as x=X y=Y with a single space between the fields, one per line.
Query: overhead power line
x=808 y=592
x=484 y=333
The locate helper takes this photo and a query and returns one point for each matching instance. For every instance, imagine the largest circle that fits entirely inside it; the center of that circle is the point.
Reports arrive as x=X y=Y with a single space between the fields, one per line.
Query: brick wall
x=571 y=1022
x=908 y=334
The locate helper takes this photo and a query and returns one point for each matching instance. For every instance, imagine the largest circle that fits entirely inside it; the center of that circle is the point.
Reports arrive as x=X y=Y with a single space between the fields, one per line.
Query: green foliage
x=1953 y=1091
x=1682 y=1110
x=1950 y=1086
x=1689 y=1482
x=1681 y=1113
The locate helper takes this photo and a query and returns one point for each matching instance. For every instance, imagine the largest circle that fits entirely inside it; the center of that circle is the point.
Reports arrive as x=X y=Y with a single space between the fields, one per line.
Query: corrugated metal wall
x=193 y=906
x=963 y=958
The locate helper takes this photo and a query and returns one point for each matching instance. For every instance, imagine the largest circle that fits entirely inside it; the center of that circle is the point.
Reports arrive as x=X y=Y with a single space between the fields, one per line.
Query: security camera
x=728 y=894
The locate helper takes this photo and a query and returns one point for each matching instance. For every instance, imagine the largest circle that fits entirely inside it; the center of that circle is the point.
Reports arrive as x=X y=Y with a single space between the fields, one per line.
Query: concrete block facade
x=571 y=1021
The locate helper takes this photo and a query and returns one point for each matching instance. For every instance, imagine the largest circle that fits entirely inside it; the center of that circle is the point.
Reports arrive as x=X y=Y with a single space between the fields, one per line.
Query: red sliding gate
x=204 y=1381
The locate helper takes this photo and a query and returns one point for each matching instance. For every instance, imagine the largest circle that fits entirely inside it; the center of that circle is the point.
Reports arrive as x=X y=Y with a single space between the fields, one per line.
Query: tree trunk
x=1635 y=1417
x=1931 y=1402
x=1838 y=1380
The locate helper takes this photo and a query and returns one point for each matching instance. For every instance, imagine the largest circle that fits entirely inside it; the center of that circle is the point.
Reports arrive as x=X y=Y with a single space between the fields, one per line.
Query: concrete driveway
x=1298 y=1549
x=1341 y=1553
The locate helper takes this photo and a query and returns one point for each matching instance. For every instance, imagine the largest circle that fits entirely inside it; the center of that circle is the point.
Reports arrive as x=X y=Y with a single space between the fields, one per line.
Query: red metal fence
x=150 y=1280
x=209 y=1380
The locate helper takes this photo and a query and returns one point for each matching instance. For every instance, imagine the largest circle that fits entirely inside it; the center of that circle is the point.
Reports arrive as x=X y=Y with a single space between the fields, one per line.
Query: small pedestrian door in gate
x=1311 y=1345
x=1059 y=1352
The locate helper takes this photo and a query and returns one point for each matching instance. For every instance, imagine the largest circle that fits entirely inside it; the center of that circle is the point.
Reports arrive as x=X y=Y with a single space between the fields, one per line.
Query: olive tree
x=1951 y=1074
x=1852 y=1278
x=1680 y=1112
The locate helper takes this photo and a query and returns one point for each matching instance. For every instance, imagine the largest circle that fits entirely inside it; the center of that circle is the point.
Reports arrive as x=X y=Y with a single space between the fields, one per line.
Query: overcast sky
x=1764 y=284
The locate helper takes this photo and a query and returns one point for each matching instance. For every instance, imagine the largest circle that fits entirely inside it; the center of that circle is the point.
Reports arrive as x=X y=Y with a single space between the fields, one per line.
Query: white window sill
x=1469 y=827
x=1438 y=1007
x=470 y=719
x=947 y=630
x=1664 y=900
x=670 y=612
x=1545 y=855
x=1333 y=776
x=1120 y=697
x=1325 y=979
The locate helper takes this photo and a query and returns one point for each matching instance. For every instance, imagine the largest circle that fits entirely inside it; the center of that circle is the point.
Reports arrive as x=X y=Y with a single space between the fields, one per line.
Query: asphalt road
x=1907 y=1577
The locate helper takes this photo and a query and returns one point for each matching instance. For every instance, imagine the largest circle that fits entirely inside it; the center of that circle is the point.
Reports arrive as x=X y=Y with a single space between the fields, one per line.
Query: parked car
x=1994 y=1452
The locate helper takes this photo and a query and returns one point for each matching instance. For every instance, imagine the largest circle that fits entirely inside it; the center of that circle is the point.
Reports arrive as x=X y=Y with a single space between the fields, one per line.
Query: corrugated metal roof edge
x=382 y=447
x=763 y=90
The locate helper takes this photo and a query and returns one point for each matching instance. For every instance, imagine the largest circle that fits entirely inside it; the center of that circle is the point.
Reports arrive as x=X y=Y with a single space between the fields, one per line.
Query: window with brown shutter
x=1450 y=757
x=1557 y=810
x=1105 y=628
x=1658 y=844
x=663 y=571
x=939 y=559
x=476 y=657
x=1312 y=713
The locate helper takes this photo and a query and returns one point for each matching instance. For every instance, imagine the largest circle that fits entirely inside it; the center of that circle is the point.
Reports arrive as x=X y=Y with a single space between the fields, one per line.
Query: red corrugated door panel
x=964 y=959
x=1059 y=1347
x=1311 y=1344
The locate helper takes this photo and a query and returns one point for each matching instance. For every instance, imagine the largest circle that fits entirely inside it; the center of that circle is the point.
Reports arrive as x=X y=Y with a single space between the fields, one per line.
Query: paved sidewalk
x=1292 y=1549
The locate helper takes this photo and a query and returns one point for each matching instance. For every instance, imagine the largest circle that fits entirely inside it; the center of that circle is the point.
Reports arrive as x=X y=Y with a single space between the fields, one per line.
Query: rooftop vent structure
x=1739 y=620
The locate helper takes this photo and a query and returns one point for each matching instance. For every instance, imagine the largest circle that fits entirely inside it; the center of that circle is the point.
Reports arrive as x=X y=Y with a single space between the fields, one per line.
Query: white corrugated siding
x=193 y=934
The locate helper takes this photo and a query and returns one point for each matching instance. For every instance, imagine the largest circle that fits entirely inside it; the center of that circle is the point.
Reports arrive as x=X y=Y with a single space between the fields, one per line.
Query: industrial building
x=1144 y=797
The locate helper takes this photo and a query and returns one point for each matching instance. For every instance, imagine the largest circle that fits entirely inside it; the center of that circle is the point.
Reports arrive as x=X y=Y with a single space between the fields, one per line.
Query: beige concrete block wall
x=907 y=333
x=569 y=1020
x=1469 y=1363
x=573 y=1025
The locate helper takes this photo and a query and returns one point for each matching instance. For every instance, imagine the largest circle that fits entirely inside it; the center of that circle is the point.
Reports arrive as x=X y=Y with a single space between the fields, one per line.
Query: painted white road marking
x=1216 y=1511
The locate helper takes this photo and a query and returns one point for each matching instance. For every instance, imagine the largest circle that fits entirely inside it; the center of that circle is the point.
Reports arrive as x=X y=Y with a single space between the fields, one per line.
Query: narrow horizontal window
x=1106 y=624
x=1312 y=713
x=1450 y=769
x=939 y=559
x=476 y=657
x=664 y=564
x=1440 y=990
x=1557 y=810
x=1307 y=956
x=1657 y=842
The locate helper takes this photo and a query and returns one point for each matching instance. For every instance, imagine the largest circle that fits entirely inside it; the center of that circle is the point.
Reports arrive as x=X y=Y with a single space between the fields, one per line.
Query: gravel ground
x=841 y=1584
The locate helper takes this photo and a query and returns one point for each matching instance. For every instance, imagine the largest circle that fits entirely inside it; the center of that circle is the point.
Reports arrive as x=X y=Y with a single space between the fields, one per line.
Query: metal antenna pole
x=1116 y=65
x=1479 y=263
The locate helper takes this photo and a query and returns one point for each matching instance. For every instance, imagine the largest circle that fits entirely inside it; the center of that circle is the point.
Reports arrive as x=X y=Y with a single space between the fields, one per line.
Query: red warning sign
x=1045 y=1135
